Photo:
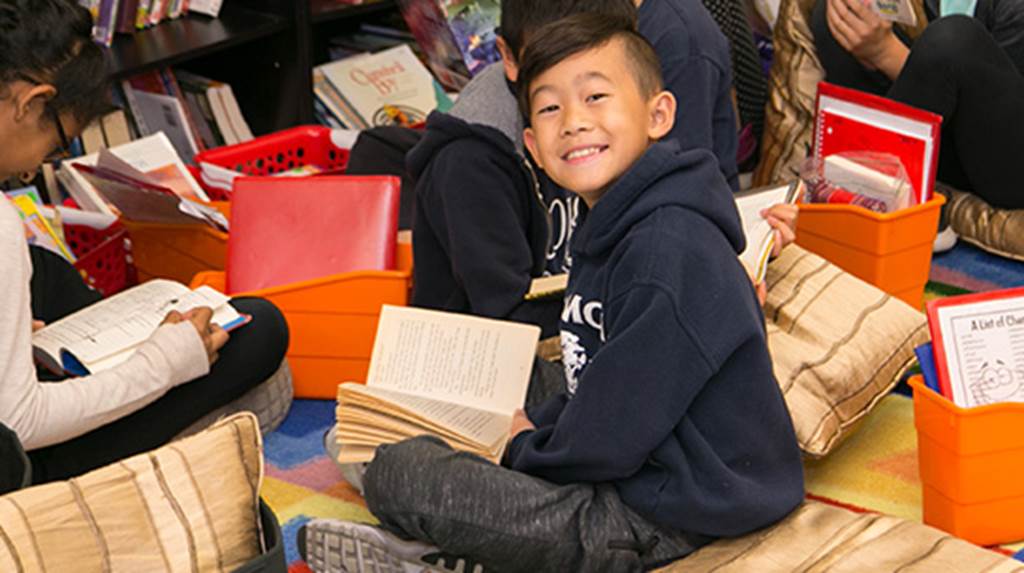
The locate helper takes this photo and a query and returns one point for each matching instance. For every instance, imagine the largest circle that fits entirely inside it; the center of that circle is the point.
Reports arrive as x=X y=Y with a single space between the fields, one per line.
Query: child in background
x=672 y=430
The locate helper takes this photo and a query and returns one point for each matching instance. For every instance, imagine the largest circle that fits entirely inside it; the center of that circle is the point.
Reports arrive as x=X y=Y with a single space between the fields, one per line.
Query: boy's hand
x=782 y=218
x=213 y=336
x=520 y=424
x=866 y=35
x=760 y=289
x=38 y=325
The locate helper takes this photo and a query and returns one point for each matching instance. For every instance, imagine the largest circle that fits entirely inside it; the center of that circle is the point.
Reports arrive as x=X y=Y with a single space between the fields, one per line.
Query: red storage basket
x=280 y=152
x=104 y=257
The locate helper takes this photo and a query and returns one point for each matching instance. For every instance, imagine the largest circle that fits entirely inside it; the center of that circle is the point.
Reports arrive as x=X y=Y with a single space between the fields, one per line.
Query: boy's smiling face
x=590 y=120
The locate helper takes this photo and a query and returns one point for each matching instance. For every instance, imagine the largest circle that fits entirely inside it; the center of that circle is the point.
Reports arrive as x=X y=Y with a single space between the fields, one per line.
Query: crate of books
x=176 y=231
x=869 y=206
x=95 y=244
x=969 y=414
x=303 y=150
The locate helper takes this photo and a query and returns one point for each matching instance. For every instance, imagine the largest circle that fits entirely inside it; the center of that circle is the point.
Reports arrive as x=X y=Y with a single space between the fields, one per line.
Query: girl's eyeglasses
x=63 y=149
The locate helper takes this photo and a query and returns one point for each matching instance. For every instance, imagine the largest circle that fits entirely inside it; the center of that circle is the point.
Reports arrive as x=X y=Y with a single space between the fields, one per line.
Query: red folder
x=289 y=229
x=851 y=120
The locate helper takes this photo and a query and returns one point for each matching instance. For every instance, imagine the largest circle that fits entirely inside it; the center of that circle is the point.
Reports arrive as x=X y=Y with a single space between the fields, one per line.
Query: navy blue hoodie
x=670 y=393
x=481 y=226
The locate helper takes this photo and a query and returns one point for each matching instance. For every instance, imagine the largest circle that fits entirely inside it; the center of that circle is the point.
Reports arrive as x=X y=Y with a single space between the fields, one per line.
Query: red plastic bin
x=281 y=151
x=104 y=257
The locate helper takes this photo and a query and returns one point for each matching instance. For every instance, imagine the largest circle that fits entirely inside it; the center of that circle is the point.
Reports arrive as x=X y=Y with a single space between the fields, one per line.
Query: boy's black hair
x=581 y=32
x=520 y=18
x=49 y=42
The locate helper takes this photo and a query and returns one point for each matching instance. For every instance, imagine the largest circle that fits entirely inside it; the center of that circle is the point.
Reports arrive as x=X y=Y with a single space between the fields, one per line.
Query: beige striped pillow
x=838 y=345
x=820 y=537
x=189 y=506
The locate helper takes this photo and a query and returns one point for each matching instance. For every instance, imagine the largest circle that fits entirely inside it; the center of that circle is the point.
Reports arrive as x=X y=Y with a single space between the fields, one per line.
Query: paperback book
x=454 y=376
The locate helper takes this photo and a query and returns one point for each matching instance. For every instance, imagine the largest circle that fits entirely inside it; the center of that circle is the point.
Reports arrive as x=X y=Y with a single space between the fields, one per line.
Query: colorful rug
x=875 y=469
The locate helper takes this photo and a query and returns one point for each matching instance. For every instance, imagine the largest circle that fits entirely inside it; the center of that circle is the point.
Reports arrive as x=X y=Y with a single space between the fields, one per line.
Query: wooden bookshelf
x=192 y=36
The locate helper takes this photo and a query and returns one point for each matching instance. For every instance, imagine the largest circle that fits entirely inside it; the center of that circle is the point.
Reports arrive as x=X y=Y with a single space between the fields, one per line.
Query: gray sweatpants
x=509 y=521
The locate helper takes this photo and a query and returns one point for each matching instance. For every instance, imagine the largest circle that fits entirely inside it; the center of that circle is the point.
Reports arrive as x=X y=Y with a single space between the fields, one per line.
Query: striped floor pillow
x=838 y=345
x=189 y=506
x=819 y=537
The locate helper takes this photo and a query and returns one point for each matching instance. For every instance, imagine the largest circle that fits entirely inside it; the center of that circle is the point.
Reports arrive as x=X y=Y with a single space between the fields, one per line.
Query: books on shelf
x=978 y=346
x=126 y=16
x=105 y=334
x=759 y=234
x=458 y=36
x=217 y=106
x=391 y=87
x=155 y=108
x=455 y=376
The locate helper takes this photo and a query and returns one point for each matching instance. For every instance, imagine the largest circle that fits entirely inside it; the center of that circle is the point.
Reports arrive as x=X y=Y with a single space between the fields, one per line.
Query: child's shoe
x=335 y=546
x=353 y=473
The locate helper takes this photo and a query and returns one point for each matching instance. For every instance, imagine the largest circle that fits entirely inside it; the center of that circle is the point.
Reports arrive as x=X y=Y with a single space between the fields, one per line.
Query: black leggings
x=251 y=356
x=957 y=70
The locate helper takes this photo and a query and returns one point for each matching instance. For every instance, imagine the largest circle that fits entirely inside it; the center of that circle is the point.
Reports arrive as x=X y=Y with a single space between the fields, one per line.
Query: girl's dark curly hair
x=48 y=42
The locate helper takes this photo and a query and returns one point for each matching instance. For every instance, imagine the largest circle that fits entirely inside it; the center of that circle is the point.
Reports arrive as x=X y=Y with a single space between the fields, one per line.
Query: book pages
x=467 y=360
x=105 y=334
x=549 y=286
x=479 y=426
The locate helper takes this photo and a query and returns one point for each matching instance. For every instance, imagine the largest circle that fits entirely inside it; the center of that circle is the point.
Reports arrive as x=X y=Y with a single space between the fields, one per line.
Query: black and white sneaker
x=335 y=546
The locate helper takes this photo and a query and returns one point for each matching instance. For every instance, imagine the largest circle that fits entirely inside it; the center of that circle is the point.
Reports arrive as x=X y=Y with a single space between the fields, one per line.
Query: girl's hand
x=867 y=36
x=213 y=336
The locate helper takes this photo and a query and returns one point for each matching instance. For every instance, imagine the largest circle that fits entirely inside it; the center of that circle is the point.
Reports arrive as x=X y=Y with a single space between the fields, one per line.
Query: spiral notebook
x=851 y=120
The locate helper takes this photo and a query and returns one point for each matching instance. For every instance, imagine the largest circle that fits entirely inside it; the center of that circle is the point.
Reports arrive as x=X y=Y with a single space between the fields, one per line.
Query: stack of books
x=390 y=87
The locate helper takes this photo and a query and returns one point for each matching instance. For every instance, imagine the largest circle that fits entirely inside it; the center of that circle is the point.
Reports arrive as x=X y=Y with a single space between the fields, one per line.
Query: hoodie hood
x=443 y=129
x=663 y=176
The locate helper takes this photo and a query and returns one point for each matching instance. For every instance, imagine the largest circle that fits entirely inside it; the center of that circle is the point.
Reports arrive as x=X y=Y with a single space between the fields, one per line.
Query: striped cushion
x=837 y=343
x=820 y=537
x=189 y=506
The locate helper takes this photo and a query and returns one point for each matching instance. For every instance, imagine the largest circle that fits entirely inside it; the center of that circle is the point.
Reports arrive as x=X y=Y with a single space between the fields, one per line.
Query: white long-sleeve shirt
x=43 y=414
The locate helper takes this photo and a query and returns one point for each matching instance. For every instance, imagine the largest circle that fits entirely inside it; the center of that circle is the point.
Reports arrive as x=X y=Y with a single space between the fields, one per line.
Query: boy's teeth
x=582 y=153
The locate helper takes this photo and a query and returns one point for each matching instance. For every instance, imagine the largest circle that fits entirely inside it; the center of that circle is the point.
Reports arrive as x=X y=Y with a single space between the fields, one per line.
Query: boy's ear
x=662 y=113
x=508 y=60
x=530 y=139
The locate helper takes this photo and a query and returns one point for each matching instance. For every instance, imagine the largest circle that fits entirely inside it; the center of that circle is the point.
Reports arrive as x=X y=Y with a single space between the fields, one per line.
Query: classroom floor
x=302 y=483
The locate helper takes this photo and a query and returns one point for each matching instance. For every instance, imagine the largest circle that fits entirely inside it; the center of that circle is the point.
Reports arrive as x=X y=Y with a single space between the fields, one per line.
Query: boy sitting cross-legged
x=672 y=430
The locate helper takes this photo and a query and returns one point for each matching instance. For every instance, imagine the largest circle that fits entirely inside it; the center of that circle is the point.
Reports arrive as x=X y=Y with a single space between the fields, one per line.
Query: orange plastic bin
x=892 y=251
x=177 y=252
x=332 y=321
x=972 y=467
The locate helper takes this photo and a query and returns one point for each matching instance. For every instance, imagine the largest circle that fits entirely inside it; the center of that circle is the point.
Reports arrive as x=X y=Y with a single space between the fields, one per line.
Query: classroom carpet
x=874 y=470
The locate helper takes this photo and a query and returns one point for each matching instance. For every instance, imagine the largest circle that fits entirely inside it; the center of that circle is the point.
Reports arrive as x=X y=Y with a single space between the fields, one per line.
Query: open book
x=760 y=235
x=454 y=376
x=139 y=197
x=106 y=334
